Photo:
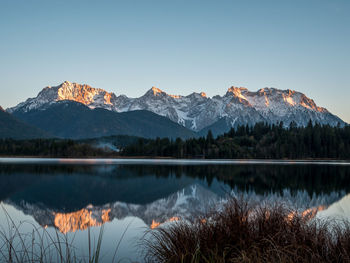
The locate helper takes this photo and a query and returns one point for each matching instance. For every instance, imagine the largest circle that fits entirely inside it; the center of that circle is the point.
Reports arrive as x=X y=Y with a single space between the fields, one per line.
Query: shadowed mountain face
x=69 y=119
x=11 y=127
x=196 y=111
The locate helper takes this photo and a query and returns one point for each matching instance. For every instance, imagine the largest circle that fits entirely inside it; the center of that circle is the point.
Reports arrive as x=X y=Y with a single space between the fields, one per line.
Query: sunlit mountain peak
x=203 y=94
x=237 y=92
x=156 y=91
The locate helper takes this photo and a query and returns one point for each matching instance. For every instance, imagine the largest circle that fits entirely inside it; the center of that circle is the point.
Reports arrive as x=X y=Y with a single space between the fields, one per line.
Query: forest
x=51 y=148
x=259 y=141
x=263 y=141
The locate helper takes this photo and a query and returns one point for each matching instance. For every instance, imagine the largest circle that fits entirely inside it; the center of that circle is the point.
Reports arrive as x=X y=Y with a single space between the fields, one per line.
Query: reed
x=243 y=232
x=17 y=245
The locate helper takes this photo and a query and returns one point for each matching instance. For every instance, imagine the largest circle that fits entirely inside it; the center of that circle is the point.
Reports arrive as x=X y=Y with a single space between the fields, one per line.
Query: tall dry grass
x=242 y=232
x=17 y=245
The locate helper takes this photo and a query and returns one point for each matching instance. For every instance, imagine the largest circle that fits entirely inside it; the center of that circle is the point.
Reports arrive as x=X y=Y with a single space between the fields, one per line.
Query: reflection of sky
x=113 y=232
x=338 y=211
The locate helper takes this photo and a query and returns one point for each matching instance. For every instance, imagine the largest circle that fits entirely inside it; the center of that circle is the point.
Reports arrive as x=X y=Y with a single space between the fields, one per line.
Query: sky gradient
x=178 y=46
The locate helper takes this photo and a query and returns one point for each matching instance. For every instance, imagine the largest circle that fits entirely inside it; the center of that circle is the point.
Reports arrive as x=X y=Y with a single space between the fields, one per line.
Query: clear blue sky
x=179 y=46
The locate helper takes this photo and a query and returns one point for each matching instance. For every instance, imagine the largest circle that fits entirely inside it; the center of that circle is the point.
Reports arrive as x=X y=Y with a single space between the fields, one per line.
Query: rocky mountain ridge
x=196 y=111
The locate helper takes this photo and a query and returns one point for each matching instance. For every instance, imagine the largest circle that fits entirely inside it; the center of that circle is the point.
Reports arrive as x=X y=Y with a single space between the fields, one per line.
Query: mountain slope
x=10 y=127
x=197 y=112
x=69 y=119
x=217 y=128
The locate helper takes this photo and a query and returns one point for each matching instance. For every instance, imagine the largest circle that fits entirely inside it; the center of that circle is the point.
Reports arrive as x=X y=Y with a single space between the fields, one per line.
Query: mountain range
x=72 y=110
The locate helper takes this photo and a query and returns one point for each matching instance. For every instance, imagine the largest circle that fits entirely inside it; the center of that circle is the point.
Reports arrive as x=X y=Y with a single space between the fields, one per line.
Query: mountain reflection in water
x=71 y=197
x=78 y=196
x=72 y=187
x=79 y=220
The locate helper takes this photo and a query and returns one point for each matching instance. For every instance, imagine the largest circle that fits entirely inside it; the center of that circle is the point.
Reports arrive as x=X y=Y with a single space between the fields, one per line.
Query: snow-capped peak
x=195 y=111
x=203 y=94
x=84 y=94
x=156 y=91
x=236 y=90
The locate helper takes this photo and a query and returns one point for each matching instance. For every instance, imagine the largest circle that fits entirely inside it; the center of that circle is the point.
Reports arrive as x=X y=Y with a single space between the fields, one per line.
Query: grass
x=36 y=246
x=243 y=232
x=17 y=245
x=239 y=232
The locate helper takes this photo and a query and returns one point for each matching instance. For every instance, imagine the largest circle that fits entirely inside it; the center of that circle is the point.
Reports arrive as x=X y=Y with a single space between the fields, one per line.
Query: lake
x=131 y=196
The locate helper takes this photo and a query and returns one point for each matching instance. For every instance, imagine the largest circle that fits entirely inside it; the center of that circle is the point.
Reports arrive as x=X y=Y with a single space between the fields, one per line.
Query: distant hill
x=217 y=128
x=11 y=127
x=70 y=119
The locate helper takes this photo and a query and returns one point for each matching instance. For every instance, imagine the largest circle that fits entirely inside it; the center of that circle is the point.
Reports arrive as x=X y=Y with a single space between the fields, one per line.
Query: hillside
x=69 y=119
x=11 y=127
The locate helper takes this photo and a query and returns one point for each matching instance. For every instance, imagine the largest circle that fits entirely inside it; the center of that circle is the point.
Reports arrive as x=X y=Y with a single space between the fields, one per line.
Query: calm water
x=72 y=195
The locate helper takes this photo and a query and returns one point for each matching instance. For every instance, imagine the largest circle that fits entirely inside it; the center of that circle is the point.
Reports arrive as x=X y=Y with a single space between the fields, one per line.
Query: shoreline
x=163 y=157
x=164 y=160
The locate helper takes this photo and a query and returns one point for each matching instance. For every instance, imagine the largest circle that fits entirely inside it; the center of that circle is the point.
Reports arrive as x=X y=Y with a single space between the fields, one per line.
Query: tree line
x=50 y=148
x=259 y=141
